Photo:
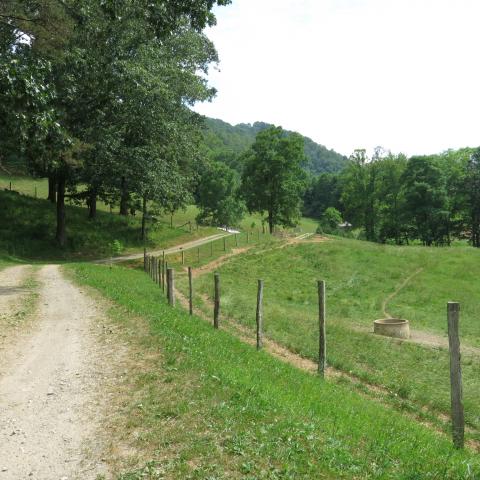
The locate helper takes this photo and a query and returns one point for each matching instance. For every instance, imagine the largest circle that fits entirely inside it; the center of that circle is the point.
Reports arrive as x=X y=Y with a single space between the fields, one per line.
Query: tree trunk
x=271 y=226
x=61 y=236
x=92 y=204
x=124 y=197
x=144 y=219
x=52 y=188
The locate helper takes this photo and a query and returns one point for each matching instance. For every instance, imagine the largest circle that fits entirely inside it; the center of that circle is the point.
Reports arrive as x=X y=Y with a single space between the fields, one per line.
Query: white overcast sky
x=402 y=74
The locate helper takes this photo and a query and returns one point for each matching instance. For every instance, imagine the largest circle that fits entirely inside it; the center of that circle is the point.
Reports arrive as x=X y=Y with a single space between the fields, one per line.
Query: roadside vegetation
x=204 y=405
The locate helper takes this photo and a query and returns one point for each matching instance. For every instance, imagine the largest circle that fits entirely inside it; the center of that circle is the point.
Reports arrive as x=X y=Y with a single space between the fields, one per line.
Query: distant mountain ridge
x=224 y=141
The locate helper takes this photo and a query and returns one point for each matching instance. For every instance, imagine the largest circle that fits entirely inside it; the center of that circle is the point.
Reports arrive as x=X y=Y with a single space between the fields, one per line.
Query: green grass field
x=359 y=277
x=204 y=405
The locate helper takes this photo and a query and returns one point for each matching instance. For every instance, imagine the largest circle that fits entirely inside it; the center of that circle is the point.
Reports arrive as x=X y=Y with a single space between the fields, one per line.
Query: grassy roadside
x=359 y=277
x=204 y=405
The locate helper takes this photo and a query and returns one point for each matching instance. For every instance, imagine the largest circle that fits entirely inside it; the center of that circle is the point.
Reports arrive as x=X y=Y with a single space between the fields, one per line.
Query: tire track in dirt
x=51 y=389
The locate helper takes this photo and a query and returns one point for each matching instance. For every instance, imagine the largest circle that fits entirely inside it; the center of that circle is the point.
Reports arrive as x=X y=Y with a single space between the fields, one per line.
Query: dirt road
x=175 y=249
x=51 y=388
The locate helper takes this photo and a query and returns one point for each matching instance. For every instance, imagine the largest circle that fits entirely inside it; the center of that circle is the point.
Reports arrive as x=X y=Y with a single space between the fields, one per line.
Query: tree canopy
x=273 y=180
x=98 y=94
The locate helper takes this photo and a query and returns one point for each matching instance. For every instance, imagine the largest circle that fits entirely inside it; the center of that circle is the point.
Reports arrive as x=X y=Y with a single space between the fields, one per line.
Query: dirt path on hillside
x=400 y=287
x=51 y=389
x=168 y=251
x=218 y=262
x=422 y=338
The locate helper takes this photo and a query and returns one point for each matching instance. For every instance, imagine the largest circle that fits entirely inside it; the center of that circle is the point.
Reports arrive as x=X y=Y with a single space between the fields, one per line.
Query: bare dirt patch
x=218 y=262
x=400 y=287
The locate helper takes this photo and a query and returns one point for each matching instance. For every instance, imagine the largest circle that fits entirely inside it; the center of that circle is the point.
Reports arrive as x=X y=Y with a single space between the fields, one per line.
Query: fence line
x=157 y=268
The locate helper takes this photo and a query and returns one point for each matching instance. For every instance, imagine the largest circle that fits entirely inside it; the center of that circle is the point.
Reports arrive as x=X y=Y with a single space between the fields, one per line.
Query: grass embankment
x=27 y=229
x=202 y=405
x=360 y=276
x=28 y=226
x=28 y=186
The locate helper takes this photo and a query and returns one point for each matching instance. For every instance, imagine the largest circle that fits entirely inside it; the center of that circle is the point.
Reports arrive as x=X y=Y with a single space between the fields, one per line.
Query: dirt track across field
x=170 y=250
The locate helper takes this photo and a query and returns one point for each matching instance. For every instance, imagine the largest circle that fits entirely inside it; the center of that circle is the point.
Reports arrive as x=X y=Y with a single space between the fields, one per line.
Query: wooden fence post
x=211 y=249
x=190 y=291
x=166 y=278
x=198 y=254
x=216 y=308
x=322 y=347
x=10 y=186
x=260 y=315
x=159 y=272
x=224 y=244
x=458 y=421
x=170 y=287
x=164 y=275
x=164 y=271
x=144 y=259
x=236 y=240
x=183 y=257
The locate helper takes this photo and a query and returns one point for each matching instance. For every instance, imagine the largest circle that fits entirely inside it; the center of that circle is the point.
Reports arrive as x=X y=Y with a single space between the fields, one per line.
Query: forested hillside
x=225 y=142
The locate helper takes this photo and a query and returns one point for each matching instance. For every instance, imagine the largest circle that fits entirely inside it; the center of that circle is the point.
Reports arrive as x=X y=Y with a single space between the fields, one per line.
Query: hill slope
x=223 y=141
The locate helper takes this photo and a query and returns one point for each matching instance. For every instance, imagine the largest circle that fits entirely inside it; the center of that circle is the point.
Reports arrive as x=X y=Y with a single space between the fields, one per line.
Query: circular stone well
x=392 y=327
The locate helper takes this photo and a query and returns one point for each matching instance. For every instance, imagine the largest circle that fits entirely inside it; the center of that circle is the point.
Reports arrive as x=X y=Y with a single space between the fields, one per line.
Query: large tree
x=123 y=76
x=359 y=181
x=218 y=196
x=273 y=180
x=392 y=223
x=471 y=191
x=426 y=200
